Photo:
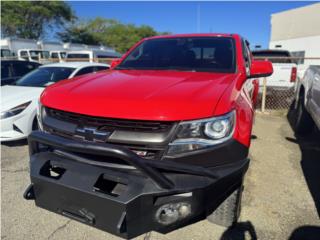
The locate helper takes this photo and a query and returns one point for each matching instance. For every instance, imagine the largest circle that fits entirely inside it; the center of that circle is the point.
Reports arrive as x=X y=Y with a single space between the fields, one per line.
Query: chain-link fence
x=272 y=98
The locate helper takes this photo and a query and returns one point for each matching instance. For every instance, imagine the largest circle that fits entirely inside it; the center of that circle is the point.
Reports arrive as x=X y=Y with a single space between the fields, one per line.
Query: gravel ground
x=281 y=198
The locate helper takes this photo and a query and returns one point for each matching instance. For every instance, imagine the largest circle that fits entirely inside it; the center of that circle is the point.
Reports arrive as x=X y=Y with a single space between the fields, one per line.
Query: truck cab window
x=54 y=55
x=24 y=55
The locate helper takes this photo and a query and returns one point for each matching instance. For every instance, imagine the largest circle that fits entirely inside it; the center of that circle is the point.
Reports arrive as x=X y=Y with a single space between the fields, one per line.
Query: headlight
x=14 y=111
x=40 y=113
x=199 y=134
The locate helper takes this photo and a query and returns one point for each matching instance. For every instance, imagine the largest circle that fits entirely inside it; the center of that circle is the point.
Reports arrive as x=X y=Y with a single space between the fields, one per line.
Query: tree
x=106 y=32
x=32 y=19
x=87 y=32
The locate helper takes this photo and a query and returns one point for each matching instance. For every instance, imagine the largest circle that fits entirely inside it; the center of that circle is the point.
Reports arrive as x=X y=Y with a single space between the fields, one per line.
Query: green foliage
x=31 y=19
x=107 y=32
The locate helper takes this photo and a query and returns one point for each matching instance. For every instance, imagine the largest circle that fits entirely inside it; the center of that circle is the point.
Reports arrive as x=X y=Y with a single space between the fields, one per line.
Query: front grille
x=110 y=124
x=148 y=151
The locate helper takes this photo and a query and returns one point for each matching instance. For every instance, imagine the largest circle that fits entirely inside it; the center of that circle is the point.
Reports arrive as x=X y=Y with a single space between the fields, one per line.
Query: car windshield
x=273 y=56
x=203 y=54
x=45 y=76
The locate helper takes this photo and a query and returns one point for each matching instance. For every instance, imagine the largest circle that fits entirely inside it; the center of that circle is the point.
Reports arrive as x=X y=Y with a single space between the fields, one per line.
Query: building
x=298 y=31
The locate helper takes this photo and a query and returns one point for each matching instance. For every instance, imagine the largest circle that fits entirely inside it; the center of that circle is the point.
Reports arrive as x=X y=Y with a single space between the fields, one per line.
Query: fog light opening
x=173 y=212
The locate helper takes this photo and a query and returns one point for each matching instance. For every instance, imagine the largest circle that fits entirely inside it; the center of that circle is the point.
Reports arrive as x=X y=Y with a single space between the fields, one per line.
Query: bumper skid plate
x=151 y=196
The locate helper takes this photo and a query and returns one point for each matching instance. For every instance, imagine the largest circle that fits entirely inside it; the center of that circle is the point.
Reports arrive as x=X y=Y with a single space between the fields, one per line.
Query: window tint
x=78 y=56
x=273 y=56
x=54 y=55
x=36 y=55
x=63 y=54
x=45 y=76
x=24 y=54
x=22 y=68
x=100 y=68
x=5 y=53
x=105 y=56
x=211 y=54
x=85 y=71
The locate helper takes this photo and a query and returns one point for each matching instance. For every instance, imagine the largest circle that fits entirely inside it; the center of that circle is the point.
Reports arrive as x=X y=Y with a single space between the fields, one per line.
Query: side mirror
x=260 y=69
x=115 y=62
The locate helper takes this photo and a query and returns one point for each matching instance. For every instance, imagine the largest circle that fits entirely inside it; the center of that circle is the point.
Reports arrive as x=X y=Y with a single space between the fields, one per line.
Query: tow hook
x=29 y=193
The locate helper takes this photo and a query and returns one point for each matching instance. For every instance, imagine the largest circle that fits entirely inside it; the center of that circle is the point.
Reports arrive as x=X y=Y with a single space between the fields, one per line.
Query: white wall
x=296 y=23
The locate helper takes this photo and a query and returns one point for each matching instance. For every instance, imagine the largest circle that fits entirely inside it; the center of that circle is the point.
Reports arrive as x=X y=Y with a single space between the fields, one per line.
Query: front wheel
x=304 y=123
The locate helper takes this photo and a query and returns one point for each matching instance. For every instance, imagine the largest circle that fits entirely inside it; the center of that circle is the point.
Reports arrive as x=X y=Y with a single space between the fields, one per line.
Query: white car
x=19 y=102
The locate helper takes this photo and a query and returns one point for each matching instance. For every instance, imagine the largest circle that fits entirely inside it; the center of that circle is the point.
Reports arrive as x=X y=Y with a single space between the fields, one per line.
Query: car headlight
x=199 y=134
x=14 y=111
x=40 y=114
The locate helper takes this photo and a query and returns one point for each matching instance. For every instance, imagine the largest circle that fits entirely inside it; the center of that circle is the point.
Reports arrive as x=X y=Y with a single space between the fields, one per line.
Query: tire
x=304 y=123
x=228 y=212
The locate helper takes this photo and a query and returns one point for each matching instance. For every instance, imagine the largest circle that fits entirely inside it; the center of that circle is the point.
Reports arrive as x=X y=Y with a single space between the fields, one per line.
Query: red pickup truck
x=156 y=143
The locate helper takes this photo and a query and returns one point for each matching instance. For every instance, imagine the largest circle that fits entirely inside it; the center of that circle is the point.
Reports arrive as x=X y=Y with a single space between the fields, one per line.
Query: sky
x=250 y=19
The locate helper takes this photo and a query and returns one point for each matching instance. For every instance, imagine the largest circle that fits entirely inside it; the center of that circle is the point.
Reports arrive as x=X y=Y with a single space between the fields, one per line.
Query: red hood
x=143 y=95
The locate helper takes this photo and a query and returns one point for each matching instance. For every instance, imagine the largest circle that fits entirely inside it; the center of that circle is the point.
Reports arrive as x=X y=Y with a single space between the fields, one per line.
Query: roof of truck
x=195 y=35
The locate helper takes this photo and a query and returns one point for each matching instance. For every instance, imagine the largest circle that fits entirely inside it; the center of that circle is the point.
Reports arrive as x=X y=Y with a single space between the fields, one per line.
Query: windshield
x=35 y=55
x=204 y=54
x=273 y=56
x=45 y=76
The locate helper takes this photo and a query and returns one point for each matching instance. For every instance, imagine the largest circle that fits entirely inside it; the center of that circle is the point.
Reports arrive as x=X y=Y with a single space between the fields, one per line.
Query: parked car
x=19 y=102
x=12 y=70
x=91 y=55
x=284 y=69
x=307 y=101
x=159 y=142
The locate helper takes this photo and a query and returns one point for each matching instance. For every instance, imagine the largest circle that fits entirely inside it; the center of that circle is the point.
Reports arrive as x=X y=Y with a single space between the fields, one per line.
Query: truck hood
x=143 y=95
x=12 y=96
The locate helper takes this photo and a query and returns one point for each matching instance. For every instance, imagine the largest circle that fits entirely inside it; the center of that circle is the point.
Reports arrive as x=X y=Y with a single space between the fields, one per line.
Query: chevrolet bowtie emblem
x=92 y=134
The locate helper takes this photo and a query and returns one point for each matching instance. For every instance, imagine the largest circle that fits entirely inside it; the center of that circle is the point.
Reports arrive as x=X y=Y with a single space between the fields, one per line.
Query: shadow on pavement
x=238 y=232
x=17 y=143
x=305 y=233
x=310 y=160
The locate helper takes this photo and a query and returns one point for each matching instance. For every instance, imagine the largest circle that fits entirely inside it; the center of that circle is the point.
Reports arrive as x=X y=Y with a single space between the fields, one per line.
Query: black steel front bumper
x=122 y=200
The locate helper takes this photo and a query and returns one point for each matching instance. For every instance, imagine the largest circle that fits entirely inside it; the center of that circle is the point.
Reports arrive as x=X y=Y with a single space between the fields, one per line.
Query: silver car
x=307 y=101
